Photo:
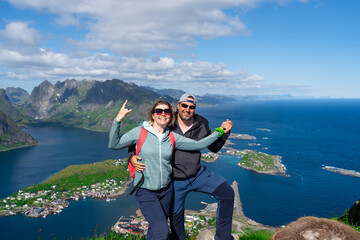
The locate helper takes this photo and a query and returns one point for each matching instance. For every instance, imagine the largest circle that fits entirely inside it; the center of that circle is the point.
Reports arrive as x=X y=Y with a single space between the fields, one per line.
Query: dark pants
x=207 y=182
x=155 y=206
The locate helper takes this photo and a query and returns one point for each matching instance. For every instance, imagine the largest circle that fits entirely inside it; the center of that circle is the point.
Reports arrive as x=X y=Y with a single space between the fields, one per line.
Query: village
x=45 y=202
x=137 y=225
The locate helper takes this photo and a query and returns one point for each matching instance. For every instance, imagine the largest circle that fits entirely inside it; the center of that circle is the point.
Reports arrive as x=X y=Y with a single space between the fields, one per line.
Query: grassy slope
x=76 y=176
x=73 y=177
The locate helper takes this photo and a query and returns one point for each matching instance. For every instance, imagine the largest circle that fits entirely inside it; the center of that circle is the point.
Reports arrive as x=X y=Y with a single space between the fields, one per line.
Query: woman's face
x=162 y=115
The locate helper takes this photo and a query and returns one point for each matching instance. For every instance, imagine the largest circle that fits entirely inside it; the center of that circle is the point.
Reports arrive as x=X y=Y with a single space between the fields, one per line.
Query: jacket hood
x=148 y=126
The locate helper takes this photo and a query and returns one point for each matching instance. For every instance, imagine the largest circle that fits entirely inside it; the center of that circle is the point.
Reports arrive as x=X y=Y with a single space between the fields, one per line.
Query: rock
x=354 y=214
x=206 y=234
x=312 y=228
x=238 y=226
x=234 y=236
x=209 y=234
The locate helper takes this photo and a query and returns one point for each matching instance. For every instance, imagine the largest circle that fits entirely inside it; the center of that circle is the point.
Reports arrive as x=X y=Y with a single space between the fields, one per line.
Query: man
x=189 y=175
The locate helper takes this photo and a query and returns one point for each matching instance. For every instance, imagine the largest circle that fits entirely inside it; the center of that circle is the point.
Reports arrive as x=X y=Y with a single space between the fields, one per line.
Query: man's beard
x=182 y=117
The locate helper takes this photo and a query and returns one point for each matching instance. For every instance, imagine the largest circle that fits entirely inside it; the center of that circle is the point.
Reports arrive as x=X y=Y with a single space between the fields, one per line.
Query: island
x=262 y=163
x=251 y=160
x=209 y=157
x=263 y=129
x=242 y=136
x=104 y=180
x=345 y=172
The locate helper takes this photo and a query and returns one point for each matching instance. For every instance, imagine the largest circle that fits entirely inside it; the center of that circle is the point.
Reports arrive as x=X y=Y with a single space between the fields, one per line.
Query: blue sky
x=239 y=47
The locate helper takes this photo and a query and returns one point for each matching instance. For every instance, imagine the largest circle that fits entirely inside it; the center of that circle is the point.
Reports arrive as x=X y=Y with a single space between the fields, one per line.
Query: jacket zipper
x=160 y=161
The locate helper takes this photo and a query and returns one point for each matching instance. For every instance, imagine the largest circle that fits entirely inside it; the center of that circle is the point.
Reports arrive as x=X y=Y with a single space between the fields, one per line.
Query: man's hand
x=227 y=125
x=138 y=166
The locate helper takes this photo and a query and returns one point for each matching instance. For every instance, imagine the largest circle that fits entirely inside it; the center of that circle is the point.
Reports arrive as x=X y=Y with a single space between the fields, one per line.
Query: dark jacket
x=186 y=164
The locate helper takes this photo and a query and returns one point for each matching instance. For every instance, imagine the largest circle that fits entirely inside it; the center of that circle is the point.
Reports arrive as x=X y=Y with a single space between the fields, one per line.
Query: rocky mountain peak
x=41 y=99
x=17 y=95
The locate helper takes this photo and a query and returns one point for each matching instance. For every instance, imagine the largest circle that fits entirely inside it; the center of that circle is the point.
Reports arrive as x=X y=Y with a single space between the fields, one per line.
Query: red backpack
x=142 y=137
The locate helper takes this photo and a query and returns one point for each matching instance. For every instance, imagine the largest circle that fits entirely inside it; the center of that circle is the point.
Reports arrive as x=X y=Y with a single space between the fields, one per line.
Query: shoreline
x=50 y=200
x=63 y=202
x=23 y=146
x=239 y=221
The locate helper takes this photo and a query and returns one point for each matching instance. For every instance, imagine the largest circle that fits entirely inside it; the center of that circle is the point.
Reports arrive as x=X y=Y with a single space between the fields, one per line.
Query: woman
x=154 y=195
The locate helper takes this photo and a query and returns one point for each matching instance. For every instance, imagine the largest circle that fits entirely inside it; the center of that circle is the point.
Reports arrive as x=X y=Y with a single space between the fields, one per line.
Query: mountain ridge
x=11 y=136
x=88 y=104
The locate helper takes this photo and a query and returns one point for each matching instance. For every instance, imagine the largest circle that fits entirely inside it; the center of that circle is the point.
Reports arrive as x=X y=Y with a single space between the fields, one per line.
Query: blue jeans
x=207 y=182
x=156 y=206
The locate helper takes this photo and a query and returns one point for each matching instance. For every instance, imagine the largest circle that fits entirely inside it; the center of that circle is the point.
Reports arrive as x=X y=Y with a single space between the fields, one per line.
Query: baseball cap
x=184 y=98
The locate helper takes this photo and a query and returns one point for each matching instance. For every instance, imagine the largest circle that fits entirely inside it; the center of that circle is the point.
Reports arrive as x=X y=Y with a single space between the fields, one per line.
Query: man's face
x=186 y=110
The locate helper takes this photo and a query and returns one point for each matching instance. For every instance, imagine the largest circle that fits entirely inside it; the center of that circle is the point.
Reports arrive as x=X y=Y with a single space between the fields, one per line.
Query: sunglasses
x=159 y=111
x=192 y=107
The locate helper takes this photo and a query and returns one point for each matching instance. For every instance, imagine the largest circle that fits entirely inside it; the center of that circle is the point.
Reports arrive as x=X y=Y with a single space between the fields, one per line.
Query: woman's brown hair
x=162 y=102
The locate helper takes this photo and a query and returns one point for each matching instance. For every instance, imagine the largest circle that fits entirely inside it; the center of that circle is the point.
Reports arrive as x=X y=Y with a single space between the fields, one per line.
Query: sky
x=306 y=48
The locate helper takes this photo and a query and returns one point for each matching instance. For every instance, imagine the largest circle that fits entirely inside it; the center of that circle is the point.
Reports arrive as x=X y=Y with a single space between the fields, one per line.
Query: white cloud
x=20 y=33
x=13 y=76
x=67 y=20
x=131 y=31
x=162 y=72
x=135 y=28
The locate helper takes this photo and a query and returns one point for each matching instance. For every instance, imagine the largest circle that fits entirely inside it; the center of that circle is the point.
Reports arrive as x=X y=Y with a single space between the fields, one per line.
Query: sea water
x=305 y=133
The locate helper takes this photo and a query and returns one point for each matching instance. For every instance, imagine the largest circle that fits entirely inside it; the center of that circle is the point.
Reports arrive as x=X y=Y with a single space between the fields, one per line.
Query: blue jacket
x=155 y=154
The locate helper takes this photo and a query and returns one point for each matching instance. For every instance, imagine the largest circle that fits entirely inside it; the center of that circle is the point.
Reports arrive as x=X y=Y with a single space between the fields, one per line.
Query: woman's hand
x=123 y=112
x=138 y=166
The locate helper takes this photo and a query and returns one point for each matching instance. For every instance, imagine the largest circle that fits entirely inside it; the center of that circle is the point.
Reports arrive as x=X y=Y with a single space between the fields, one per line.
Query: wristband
x=220 y=130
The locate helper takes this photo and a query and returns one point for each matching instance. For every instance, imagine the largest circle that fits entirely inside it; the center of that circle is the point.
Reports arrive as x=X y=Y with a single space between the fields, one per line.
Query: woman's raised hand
x=123 y=112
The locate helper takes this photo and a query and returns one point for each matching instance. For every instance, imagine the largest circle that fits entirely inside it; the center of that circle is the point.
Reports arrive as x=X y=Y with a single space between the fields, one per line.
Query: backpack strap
x=142 y=137
x=172 y=139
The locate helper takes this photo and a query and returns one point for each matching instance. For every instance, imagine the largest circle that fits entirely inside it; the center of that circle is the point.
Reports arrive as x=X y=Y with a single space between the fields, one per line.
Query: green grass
x=344 y=219
x=114 y=236
x=252 y=158
x=3 y=147
x=76 y=176
x=249 y=235
x=256 y=235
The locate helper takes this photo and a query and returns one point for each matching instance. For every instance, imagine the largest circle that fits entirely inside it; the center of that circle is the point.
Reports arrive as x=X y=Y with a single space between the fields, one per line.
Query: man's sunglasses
x=192 y=107
x=159 y=111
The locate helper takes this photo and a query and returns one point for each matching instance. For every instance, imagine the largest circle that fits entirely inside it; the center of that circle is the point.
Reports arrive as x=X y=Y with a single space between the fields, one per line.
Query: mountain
x=11 y=136
x=214 y=99
x=207 y=99
x=264 y=97
x=88 y=104
x=174 y=93
x=13 y=111
x=16 y=95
